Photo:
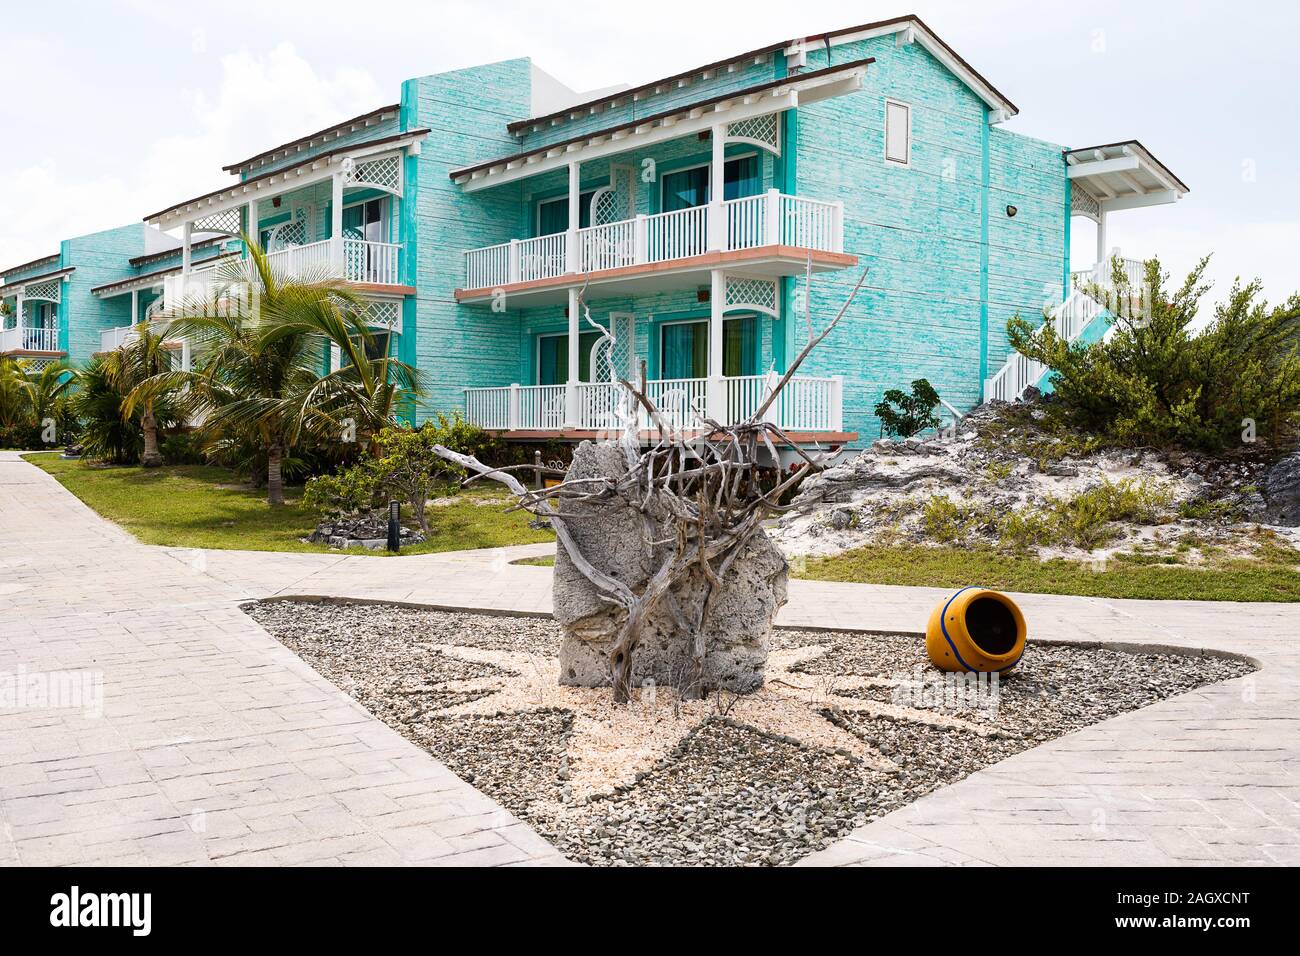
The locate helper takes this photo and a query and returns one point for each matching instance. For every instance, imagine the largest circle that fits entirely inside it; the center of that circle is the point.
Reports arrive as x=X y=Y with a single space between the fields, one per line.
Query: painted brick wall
x=466 y=112
x=99 y=258
x=920 y=231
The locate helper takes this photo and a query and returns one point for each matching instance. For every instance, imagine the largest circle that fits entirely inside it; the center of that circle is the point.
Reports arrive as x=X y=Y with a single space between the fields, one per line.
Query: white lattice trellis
x=37 y=365
x=385 y=313
x=51 y=290
x=291 y=233
x=744 y=292
x=227 y=223
x=617 y=201
x=612 y=356
x=1083 y=203
x=384 y=172
x=761 y=131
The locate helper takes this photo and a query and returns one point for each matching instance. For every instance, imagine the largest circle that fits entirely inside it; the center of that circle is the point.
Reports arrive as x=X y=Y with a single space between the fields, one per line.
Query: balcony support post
x=1101 y=244
x=250 y=227
x=512 y=262
x=772 y=217
x=336 y=223
x=571 y=416
x=773 y=413
x=187 y=230
x=135 y=306
x=571 y=236
x=716 y=387
x=835 y=411
x=512 y=420
x=640 y=240
x=717 y=225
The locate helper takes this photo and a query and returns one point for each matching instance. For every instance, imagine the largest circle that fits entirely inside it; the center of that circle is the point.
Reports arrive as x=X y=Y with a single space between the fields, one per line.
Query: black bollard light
x=394 y=526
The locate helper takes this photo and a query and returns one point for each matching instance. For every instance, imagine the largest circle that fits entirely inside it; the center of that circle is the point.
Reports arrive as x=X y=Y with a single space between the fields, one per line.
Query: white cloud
x=260 y=100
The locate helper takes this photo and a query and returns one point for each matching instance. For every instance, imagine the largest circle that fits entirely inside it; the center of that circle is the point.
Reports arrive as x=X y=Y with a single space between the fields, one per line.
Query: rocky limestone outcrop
x=1013 y=459
x=615 y=537
x=1281 y=489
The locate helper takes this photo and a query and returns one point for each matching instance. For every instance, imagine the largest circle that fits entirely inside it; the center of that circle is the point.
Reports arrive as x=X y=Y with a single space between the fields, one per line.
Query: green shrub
x=1156 y=381
x=403 y=465
x=1086 y=519
x=1209 y=509
x=1027 y=528
x=946 y=521
x=903 y=415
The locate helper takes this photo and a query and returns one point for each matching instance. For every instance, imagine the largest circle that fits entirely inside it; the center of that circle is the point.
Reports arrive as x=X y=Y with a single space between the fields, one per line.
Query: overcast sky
x=114 y=109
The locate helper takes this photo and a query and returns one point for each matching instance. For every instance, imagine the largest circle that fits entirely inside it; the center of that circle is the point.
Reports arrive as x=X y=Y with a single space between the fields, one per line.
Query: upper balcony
x=334 y=215
x=30 y=326
x=658 y=201
x=769 y=234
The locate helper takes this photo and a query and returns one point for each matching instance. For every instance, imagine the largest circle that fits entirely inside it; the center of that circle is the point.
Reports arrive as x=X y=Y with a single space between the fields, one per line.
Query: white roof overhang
x=1123 y=176
x=690 y=120
x=279 y=182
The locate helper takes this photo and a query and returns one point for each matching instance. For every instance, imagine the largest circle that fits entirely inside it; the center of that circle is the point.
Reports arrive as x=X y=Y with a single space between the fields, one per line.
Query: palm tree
x=14 y=403
x=144 y=358
x=263 y=344
x=49 y=394
x=31 y=399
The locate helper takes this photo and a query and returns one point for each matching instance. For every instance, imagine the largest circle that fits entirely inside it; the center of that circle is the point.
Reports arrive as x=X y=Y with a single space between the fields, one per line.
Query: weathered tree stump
x=735 y=615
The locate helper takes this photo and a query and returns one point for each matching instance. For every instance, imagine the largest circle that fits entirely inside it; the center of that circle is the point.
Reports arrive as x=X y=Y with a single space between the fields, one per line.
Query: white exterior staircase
x=1070 y=319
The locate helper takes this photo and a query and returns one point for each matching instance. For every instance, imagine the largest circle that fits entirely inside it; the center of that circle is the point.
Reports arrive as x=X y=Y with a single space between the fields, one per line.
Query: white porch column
x=253 y=219
x=135 y=306
x=336 y=224
x=717 y=225
x=18 y=309
x=572 y=263
x=572 y=418
x=187 y=230
x=1101 y=243
x=716 y=388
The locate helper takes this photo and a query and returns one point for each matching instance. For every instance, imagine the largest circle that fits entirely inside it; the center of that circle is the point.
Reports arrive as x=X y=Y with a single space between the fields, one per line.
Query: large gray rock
x=615 y=539
x=1281 y=489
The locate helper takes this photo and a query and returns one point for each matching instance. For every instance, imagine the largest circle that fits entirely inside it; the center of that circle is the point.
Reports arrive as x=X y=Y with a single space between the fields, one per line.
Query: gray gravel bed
x=728 y=794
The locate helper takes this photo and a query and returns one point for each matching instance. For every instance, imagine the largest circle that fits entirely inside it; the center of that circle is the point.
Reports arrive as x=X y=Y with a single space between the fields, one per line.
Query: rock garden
x=845 y=728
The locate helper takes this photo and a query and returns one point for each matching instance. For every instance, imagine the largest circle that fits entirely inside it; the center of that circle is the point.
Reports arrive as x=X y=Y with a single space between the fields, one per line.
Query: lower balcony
x=770 y=234
x=30 y=339
x=809 y=409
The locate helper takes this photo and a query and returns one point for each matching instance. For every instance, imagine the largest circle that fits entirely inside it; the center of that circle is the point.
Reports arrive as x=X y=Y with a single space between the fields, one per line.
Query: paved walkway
x=1209 y=777
x=204 y=711
x=212 y=743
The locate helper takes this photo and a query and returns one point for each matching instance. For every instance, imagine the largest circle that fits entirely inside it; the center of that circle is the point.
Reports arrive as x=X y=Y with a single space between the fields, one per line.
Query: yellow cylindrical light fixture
x=976 y=630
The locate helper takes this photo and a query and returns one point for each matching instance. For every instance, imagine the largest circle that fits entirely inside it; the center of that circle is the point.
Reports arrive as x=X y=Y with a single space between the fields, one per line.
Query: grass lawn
x=1274 y=576
x=198 y=506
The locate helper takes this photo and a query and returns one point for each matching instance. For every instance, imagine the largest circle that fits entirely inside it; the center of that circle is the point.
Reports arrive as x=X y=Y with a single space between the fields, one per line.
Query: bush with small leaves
x=904 y=415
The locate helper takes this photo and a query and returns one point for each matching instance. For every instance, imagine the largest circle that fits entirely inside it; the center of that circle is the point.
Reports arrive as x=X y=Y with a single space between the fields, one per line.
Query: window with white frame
x=898 y=133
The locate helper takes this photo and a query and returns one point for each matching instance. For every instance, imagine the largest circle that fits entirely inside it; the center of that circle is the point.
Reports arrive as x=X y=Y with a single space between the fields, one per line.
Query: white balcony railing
x=807 y=404
x=751 y=222
x=1103 y=275
x=362 y=261
x=115 y=338
x=30 y=339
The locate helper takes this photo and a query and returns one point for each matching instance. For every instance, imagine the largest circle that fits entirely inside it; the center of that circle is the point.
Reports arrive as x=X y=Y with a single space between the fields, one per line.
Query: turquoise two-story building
x=475 y=210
